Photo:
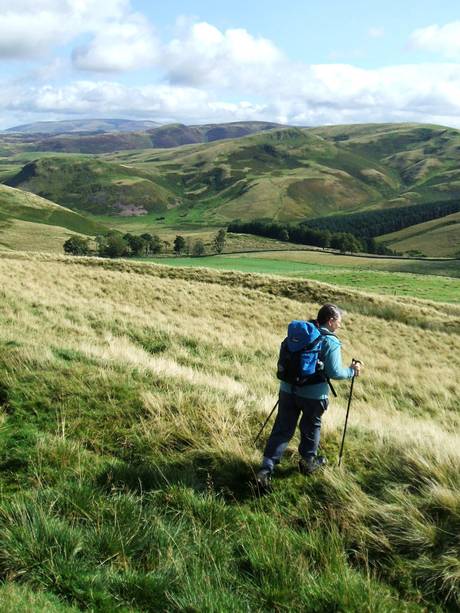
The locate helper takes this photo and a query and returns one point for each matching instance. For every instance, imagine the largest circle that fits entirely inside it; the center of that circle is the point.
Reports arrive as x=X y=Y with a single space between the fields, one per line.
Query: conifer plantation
x=130 y=396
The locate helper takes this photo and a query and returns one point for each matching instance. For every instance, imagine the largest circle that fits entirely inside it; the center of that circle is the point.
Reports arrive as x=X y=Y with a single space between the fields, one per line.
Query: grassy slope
x=130 y=397
x=16 y=204
x=440 y=237
x=90 y=185
x=360 y=274
x=27 y=236
x=282 y=174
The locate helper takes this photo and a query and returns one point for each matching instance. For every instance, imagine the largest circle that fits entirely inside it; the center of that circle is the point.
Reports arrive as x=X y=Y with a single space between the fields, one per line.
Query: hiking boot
x=308 y=466
x=263 y=478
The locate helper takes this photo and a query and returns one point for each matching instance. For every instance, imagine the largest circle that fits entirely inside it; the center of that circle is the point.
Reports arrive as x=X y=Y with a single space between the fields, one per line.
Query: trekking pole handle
x=355 y=361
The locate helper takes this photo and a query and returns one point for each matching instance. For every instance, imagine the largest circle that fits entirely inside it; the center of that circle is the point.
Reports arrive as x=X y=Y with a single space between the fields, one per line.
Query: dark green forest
x=383 y=221
x=303 y=235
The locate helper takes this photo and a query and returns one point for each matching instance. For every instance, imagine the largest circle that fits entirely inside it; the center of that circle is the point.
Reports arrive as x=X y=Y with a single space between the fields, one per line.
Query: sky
x=297 y=62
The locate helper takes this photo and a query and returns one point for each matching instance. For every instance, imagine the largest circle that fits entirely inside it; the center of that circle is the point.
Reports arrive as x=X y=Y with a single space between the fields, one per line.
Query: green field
x=424 y=285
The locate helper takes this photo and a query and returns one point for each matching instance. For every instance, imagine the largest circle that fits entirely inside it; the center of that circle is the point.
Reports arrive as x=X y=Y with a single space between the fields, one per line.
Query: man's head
x=330 y=316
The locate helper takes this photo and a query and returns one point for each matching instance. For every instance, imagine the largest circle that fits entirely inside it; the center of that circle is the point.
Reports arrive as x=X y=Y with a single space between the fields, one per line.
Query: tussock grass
x=130 y=395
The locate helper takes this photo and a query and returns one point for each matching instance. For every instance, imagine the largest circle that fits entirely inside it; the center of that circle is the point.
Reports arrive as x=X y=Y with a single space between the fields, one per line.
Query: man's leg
x=282 y=431
x=310 y=426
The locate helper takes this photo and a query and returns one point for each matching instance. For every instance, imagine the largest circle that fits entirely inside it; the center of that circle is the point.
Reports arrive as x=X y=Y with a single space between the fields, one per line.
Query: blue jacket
x=331 y=355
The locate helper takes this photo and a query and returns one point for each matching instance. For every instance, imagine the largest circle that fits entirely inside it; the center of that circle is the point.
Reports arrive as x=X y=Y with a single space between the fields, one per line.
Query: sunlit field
x=368 y=274
x=130 y=397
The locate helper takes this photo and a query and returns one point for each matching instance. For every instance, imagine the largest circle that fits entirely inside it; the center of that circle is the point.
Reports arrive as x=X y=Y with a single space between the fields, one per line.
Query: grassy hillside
x=28 y=236
x=424 y=156
x=20 y=206
x=297 y=173
x=285 y=174
x=130 y=397
x=371 y=275
x=90 y=185
x=439 y=237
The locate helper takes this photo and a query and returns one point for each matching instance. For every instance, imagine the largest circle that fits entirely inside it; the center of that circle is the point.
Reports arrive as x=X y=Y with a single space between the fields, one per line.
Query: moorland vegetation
x=130 y=395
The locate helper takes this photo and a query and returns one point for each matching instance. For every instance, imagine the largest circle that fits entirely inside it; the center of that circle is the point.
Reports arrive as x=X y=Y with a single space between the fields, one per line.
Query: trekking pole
x=348 y=411
x=266 y=422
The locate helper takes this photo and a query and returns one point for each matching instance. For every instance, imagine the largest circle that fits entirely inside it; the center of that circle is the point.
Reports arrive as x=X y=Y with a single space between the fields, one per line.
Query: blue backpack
x=299 y=360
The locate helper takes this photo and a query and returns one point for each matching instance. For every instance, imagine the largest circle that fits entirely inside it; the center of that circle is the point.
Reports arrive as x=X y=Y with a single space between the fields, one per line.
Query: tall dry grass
x=147 y=378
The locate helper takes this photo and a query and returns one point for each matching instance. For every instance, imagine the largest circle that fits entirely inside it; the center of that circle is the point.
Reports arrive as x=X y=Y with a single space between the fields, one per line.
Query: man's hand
x=357 y=366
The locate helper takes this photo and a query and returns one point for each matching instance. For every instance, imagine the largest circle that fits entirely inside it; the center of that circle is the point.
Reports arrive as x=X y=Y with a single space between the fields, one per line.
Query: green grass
x=430 y=287
x=16 y=204
x=33 y=237
x=439 y=237
x=90 y=185
x=130 y=395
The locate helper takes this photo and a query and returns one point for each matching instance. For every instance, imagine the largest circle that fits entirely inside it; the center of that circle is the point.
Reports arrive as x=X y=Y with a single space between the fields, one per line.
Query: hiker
x=311 y=400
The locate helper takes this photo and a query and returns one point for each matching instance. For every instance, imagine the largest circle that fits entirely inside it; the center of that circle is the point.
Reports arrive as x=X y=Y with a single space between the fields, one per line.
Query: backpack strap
x=324 y=333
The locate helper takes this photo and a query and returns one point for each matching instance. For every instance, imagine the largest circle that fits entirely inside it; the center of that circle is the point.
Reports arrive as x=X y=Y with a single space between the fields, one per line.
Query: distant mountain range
x=70 y=126
x=106 y=136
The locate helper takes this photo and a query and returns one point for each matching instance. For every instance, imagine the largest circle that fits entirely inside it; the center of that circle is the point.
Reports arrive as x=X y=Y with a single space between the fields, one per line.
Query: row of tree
x=116 y=245
x=303 y=235
x=196 y=248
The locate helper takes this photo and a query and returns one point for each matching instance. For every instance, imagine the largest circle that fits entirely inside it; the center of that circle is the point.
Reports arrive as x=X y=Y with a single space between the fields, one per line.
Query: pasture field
x=360 y=273
x=130 y=395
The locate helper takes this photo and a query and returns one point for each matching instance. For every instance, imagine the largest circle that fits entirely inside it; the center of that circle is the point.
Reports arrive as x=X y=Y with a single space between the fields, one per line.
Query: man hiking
x=310 y=399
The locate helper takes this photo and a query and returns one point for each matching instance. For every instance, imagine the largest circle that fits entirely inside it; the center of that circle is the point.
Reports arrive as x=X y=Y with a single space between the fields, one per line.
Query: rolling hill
x=286 y=175
x=293 y=174
x=438 y=237
x=93 y=186
x=425 y=157
x=16 y=204
x=162 y=137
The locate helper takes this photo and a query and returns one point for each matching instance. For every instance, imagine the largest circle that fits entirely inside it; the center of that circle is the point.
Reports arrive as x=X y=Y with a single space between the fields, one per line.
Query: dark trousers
x=290 y=407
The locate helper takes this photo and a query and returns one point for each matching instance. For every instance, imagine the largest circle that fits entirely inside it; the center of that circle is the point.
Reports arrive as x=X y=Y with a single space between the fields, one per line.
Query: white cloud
x=305 y=95
x=205 y=55
x=33 y=27
x=209 y=74
x=438 y=39
x=164 y=102
x=130 y=45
